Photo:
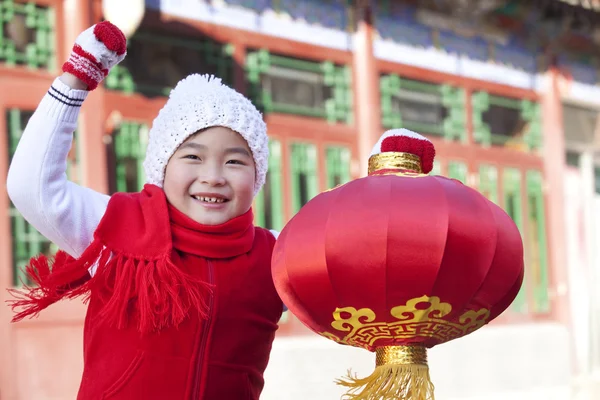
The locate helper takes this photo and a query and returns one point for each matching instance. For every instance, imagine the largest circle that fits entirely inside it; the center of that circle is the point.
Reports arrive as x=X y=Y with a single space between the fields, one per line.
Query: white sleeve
x=37 y=184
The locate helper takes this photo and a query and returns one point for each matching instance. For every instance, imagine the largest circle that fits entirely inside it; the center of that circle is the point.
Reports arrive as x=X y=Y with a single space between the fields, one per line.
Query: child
x=181 y=299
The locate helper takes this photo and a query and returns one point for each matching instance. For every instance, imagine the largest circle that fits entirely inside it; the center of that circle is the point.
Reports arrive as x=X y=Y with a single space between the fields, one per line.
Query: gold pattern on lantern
x=395 y=160
x=401 y=355
x=419 y=317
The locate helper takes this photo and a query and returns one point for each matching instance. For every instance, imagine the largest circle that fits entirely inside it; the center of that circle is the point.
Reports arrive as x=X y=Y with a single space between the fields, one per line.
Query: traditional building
x=485 y=80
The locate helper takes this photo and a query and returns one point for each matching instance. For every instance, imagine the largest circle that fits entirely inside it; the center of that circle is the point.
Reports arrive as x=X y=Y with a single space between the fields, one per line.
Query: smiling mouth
x=213 y=200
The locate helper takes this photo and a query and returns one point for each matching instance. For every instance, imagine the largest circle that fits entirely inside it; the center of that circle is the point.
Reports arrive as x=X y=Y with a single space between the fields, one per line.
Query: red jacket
x=219 y=359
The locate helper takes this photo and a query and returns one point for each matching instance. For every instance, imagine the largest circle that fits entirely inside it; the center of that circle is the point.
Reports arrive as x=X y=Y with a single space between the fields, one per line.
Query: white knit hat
x=198 y=102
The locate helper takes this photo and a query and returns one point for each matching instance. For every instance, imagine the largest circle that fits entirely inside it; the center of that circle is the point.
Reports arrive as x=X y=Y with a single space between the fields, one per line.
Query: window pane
x=437 y=168
x=288 y=87
x=296 y=86
x=304 y=174
x=268 y=205
x=27 y=35
x=156 y=61
x=488 y=182
x=507 y=122
x=338 y=166
x=126 y=154
x=536 y=240
x=423 y=107
x=420 y=110
x=513 y=206
x=457 y=170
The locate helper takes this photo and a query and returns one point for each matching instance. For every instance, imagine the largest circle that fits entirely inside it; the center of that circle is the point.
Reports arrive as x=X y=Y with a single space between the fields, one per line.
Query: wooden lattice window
x=26 y=240
x=156 y=62
x=304 y=181
x=513 y=205
x=423 y=107
x=27 y=35
x=506 y=122
x=338 y=165
x=126 y=153
x=437 y=168
x=268 y=205
x=294 y=86
x=458 y=170
x=536 y=241
x=488 y=182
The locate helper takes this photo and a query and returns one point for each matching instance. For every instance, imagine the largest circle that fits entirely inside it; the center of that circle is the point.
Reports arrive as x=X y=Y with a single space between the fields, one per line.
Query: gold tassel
x=401 y=373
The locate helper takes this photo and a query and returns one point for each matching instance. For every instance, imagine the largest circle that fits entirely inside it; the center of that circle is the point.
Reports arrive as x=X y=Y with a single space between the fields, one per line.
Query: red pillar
x=366 y=85
x=7 y=375
x=554 y=161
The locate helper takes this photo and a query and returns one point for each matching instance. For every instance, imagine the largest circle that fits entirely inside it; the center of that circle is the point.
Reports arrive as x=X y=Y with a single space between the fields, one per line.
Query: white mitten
x=96 y=51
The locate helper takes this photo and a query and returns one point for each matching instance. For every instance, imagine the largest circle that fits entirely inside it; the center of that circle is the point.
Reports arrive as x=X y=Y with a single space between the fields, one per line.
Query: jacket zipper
x=204 y=336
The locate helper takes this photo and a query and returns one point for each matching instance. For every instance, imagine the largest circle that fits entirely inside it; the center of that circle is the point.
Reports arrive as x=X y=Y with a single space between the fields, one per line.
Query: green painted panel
x=513 y=205
x=294 y=86
x=27 y=35
x=536 y=240
x=458 y=170
x=338 y=166
x=423 y=107
x=268 y=205
x=488 y=182
x=130 y=141
x=304 y=177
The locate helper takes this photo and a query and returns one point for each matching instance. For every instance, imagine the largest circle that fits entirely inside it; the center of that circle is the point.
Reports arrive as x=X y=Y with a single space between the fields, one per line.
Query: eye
x=192 y=157
x=236 y=162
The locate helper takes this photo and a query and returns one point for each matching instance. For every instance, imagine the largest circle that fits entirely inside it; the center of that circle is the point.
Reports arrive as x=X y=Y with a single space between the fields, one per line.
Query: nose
x=212 y=174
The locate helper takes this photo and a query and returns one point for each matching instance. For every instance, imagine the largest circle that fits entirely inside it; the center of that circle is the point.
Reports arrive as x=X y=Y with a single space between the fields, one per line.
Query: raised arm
x=37 y=184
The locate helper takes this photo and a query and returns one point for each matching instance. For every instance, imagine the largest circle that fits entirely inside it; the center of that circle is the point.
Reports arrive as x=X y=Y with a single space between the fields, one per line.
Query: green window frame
x=338 y=165
x=448 y=99
x=27 y=35
x=437 y=168
x=217 y=56
x=268 y=205
x=326 y=84
x=488 y=182
x=304 y=174
x=26 y=241
x=458 y=170
x=536 y=241
x=528 y=112
x=129 y=142
x=513 y=205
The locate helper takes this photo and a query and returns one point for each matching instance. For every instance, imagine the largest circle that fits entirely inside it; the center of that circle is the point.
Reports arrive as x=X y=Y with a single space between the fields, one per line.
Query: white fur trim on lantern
x=88 y=42
x=395 y=132
x=199 y=102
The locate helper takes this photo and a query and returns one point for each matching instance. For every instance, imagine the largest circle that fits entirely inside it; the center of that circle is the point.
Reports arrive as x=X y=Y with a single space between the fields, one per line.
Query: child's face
x=210 y=178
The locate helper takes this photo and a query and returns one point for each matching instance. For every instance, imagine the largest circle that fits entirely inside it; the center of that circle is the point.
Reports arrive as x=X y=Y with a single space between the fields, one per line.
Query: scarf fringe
x=391 y=382
x=153 y=294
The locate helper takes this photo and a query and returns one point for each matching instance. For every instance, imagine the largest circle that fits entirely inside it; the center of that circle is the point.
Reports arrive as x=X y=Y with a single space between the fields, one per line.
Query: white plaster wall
x=528 y=362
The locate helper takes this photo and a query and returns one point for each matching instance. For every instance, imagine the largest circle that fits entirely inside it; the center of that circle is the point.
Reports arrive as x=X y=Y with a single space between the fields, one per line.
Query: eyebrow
x=230 y=150
x=238 y=150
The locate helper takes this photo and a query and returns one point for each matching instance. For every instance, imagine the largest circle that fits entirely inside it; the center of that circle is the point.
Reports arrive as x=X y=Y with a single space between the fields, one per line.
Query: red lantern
x=398 y=262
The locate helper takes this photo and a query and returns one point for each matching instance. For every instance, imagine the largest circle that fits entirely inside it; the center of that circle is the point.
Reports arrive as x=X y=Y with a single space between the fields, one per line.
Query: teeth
x=209 y=199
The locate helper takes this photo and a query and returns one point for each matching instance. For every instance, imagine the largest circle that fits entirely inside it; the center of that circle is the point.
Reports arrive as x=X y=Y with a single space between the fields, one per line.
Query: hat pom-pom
x=421 y=148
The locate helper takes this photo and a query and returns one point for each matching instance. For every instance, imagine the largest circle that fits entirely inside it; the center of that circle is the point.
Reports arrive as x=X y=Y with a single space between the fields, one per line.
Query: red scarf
x=137 y=278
